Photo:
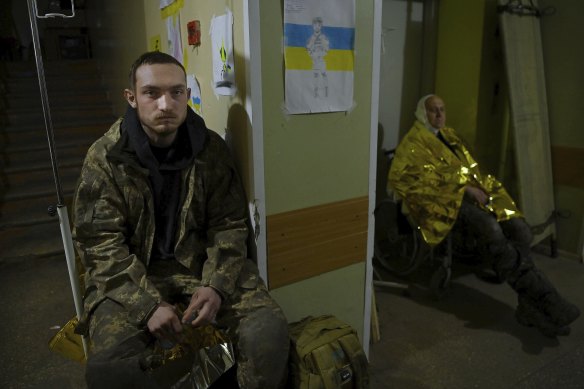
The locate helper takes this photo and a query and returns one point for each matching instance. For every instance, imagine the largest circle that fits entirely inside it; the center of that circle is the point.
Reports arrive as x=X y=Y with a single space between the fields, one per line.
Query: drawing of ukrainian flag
x=195 y=103
x=319 y=70
x=340 y=56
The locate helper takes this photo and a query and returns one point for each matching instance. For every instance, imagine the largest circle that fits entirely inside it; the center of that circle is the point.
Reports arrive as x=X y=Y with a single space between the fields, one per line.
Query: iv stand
x=61 y=207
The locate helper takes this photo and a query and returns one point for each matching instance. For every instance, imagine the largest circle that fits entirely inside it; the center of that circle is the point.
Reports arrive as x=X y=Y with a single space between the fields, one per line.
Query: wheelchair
x=400 y=249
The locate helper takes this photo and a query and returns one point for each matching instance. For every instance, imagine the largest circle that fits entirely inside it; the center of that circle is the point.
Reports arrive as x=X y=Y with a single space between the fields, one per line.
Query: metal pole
x=73 y=275
x=45 y=98
x=61 y=208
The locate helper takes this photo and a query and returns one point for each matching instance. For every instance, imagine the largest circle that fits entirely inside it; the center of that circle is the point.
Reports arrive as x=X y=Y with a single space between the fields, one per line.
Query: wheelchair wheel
x=398 y=253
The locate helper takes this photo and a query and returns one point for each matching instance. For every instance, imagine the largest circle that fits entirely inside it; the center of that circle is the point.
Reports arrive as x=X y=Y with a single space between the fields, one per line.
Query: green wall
x=339 y=292
x=470 y=76
x=458 y=63
x=562 y=33
x=317 y=159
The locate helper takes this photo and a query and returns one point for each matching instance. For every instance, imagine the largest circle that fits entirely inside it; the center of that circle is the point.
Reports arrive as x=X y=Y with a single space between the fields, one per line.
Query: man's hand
x=164 y=323
x=477 y=194
x=204 y=305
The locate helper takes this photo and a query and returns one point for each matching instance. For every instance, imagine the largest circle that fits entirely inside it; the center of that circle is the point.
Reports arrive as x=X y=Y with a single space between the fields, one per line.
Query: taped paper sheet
x=222 y=51
x=174 y=40
x=319 y=40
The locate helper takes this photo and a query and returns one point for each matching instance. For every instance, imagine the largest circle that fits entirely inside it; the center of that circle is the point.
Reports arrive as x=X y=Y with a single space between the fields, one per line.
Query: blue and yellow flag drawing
x=319 y=56
x=340 y=56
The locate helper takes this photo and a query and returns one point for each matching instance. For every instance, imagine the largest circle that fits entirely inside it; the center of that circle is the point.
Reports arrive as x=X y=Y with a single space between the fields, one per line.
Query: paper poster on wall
x=154 y=43
x=166 y=3
x=195 y=100
x=173 y=36
x=221 y=32
x=170 y=7
x=319 y=40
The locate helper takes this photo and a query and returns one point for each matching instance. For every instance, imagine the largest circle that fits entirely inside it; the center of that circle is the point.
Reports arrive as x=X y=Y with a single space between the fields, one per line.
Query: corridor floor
x=468 y=339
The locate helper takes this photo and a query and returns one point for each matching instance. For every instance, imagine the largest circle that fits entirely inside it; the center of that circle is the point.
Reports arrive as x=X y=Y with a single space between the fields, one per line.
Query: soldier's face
x=160 y=97
x=436 y=112
x=317 y=26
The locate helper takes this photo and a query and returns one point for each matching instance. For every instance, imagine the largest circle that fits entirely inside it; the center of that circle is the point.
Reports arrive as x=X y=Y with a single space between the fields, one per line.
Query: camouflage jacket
x=113 y=228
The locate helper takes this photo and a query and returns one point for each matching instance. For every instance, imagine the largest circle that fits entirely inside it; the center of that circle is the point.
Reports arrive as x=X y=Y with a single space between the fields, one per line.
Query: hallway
x=469 y=339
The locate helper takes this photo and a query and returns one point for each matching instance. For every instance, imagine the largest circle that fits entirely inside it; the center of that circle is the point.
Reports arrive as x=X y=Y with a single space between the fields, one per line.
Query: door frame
x=373 y=147
x=254 y=108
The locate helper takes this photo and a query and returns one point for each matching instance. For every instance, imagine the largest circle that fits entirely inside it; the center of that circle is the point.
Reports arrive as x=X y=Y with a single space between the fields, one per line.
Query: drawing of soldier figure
x=318 y=47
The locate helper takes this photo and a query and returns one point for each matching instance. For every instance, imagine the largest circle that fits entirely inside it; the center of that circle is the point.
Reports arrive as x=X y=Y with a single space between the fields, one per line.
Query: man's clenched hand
x=164 y=323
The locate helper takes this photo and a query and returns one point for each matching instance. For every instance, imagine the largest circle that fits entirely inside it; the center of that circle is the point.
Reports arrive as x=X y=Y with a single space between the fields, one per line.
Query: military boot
x=561 y=311
x=527 y=314
x=536 y=291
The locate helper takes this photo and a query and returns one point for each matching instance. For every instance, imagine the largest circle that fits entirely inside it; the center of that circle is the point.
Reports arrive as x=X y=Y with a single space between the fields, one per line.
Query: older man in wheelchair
x=444 y=194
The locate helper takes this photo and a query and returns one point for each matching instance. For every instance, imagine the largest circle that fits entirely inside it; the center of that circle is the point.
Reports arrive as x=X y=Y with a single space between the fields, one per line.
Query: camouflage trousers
x=120 y=352
x=503 y=245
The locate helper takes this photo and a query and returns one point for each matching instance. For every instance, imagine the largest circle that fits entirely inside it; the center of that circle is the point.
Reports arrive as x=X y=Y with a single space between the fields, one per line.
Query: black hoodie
x=165 y=166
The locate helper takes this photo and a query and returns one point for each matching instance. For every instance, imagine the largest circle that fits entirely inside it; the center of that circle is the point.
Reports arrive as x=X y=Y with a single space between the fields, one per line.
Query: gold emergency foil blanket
x=194 y=339
x=430 y=178
x=67 y=343
x=210 y=363
x=210 y=349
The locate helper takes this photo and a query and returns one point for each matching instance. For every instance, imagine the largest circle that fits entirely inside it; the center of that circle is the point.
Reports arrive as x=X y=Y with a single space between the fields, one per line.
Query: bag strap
x=317 y=332
x=359 y=362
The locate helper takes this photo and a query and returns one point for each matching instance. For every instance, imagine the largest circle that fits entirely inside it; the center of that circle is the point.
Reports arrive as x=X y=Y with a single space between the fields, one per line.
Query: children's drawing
x=318 y=47
x=195 y=100
x=319 y=58
x=223 y=67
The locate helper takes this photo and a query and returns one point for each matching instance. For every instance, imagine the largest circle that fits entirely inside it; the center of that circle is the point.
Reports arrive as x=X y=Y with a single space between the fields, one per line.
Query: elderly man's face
x=435 y=112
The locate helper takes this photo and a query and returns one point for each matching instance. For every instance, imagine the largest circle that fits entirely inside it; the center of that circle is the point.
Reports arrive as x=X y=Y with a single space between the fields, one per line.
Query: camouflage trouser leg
x=259 y=331
x=253 y=321
x=121 y=353
x=119 y=350
x=504 y=245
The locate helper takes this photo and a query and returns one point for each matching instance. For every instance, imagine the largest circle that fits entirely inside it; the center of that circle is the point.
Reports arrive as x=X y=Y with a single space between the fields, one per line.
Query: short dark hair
x=151 y=58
